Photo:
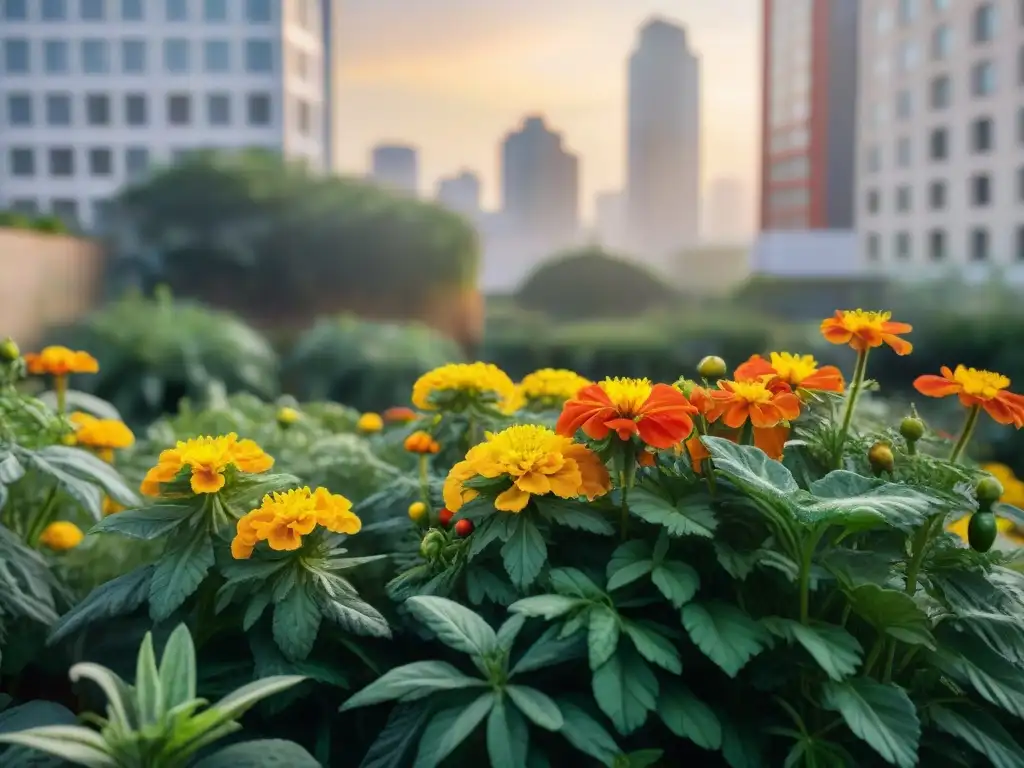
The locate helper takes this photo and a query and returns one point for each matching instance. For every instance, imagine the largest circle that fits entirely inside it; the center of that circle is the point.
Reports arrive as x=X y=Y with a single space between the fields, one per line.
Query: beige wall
x=44 y=279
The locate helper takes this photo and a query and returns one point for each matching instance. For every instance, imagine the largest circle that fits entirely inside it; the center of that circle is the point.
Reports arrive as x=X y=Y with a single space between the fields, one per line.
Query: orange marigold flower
x=658 y=413
x=399 y=415
x=282 y=519
x=105 y=435
x=985 y=389
x=798 y=371
x=766 y=404
x=60 y=361
x=864 y=330
x=207 y=458
x=61 y=536
x=421 y=442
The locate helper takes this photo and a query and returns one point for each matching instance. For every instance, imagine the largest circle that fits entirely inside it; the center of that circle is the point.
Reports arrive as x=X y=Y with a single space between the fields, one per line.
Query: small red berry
x=464 y=527
x=445 y=516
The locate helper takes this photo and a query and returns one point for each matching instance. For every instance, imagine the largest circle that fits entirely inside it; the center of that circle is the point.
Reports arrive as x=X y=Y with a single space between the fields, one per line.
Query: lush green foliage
x=48 y=224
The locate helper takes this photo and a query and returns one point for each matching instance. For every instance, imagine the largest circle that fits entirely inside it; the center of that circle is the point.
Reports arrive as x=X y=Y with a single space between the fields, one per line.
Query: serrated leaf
x=296 y=624
x=892 y=612
x=574 y=583
x=574 y=515
x=602 y=634
x=262 y=753
x=724 y=633
x=883 y=716
x=546 y=606
x=456 y=626
x=836 y=651
x=861 y=503
x=629 y=562
x=625 y=689
x=981 y=731
x=750 y=469
x=587 y=735
x=145 y=524
x=508 y=737
x=525 y=552
x=394 y=743
x=971 y=662
x=688 y=717
x=449 y=728
x=352 y=613
x=411 y=682
x=677 y=581
x=654 y=647
x=538 y=707
x=178 y=574
x=550 y=649
x=690 y=517
x=736 y=564
x=740 y=746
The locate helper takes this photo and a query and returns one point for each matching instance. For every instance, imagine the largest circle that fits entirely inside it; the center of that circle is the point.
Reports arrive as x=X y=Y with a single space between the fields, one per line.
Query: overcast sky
x=453 y=76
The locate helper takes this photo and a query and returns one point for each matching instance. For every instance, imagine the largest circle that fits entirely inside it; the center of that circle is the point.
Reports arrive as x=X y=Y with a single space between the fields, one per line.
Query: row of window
x=981 y=139
x=940 y=92
x=65 y=208
x=60 y=162
x=979 y=194
x=937 y=246
x=96 y=56
x=255 y=11
x=984 y=20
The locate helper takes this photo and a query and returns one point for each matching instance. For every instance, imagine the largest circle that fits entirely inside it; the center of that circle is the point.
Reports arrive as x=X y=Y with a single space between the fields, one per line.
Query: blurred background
x=325 y=198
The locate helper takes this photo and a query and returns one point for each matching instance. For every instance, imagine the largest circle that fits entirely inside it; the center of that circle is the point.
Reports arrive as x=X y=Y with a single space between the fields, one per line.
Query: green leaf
x=587 y=735
x=574 y=583
x=628 y=563
x=690 y=517
x=178 y=668
x=455 y=626
x=643 y=758
x=677 y=581
x=296 y=623
x=858 y=502
x=72 y=743
x=892 y=612
x=625 y=689
x=538 y=707
x=750 y=469
x=602 y=634
x=883 y=716
x=393 y=744
x=546 y=606
x=740 y=746
x=736 y=564
x=263 y=753
x=981 y=731
x=67 y=463
x=836 y=651
x=11 y=470
x=236 y=704
x=33 y=714
x=573 y=514
x=352 y=613
x=449 y=728
x=508 y=737
x=178 y=573
x=509 y=630
x=973 y=663
x=724 y=633
x=550 y=649
x=525 y=552
x=654 y=647
x=149 y=694
x=688 y=717
x=411 y=682
x=145 y=524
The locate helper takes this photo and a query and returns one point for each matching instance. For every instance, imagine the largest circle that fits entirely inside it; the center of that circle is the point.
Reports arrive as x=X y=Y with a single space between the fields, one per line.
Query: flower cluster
x=456 y=386
x=550 y=387
x=60 y=361
x=282 y=519
x=798 y=371
x=103 y=435
x=534 y=461
x=208 y=459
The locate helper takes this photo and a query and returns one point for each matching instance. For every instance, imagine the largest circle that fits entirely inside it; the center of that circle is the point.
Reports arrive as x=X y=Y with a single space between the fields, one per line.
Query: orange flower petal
x=936 y=386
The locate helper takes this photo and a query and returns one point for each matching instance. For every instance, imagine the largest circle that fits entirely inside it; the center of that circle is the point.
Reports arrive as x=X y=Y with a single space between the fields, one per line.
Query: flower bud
x=988 y=491
x=287 y=416
x=445 y=516
x=712 y=367
x=685 y=385
x=421 y=442
x=912 y=429
x=417 y=511
x=432 y=544
x=369 y=423
x=464 y=527
x=9 y=351
x=881 y=458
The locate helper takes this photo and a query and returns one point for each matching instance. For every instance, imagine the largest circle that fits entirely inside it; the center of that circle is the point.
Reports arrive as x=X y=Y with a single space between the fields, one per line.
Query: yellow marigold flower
x=111 y=507
x=421 y=442
x=208 y=458
x=453 y=386
x=370 y=422
x=60 y=361
x=862 y=330
x=535 y=460
x=61 y=535
x=105 y=435
x=551 y=387
x=284 y=518
x=287 y=416
x=959 y=528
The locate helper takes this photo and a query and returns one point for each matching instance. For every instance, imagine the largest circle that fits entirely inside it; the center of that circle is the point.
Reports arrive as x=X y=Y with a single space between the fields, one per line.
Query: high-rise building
x=396 y=166
x=728 y=219
x=540 y=185
x=93 y=93
x=940 y=179
x=808 y=121
x=663 y=158
x=460 y=193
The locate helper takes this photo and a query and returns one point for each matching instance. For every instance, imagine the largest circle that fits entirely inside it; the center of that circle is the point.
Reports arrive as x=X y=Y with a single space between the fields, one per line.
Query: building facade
x=96 y=93
x=663 y=145
x=396 y=167
x=941 y=135
x=460 y=193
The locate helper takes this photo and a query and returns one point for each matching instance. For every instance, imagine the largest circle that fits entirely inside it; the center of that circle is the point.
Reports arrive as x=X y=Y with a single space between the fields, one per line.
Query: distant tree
x=591 y=283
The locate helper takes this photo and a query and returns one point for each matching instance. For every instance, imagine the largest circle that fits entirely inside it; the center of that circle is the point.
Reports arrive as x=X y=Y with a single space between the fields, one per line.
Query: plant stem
x=60 y=387
x=851 y=403
x=38 y=524
x=626 y=477
x=804 y=584
x=424 y=482
x=624 y=515
x=965 y=436
x=917 y=551
x=876 y=651
x=890 y=654
x=746 y=436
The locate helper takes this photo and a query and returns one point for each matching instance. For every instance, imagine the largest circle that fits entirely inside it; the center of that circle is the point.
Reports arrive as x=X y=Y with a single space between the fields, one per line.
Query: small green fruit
x=981 y=531
x=9 y=351
x=912 y=429
x=881 y=458
x=988 y=491
x=432 y=544
x=712 y=367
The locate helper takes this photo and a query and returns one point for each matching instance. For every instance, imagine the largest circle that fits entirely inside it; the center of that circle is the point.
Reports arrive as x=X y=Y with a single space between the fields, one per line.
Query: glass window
x=92 y=10
x=942 y=42
x=940 y=92
x=58 y=109
x=940 y=5
x=66 y=210
x=1020 y=184
x=258 y=11
x=16 y=56
x=981 y=190
x=1020 y=242
x=179 y=109
x=872 y=201
x=304 y=117
x=904 y=103
x=902 y=246
x=903 y=199
x=135 y=109
x=177 y=10
x=908 y=55
x=55 y=10
x=62 y=161
x=936 y=245
x=978 y=244
x=937 y=195
x=874 y=248
x=215 y=10
x=872 y=159
x=903 y=152
x=95 y=57
x=176 y=55
x=25 y=206
x=136 y=161
x=259 y=56
x=983 y=78
x=19 y=109
x=15 y=10
x=101 y=161
x=982 y=139
x=217 y=56
x=908 y=10
x=102 y=215
x=131 y=10
x=97 y=109
x=22 y=161
x=133 y=56
x=938 y=144
x=258 y=109
x=56 y=58
x=218 y=109
x=984 y=22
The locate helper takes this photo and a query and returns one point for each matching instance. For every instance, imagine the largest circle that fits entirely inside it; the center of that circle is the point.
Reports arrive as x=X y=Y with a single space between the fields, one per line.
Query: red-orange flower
x=399 y=414
x=864 y=330
x=798 y=371
x=984 y=389
x=768 y=405
x=657 y=413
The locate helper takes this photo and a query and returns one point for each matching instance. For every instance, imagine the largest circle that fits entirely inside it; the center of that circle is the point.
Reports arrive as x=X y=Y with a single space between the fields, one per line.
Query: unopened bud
x=9 y=351
x=712 y=367
x=881 y=458
x=912 y=429
x=988 y=491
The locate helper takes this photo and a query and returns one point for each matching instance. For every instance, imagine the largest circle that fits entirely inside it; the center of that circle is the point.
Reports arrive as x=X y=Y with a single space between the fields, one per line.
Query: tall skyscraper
x=540 y=185
x=663 y=160
x=93 y=94
x=808 y=122
x=396 y=166
x=460 y=193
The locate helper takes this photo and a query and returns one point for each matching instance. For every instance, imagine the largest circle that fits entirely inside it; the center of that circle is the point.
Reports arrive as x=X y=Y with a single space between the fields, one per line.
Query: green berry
x=981 y=531
x=912 y=429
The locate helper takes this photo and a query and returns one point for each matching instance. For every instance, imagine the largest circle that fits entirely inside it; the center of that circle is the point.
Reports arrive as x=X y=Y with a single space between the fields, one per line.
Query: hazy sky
x=454 y=76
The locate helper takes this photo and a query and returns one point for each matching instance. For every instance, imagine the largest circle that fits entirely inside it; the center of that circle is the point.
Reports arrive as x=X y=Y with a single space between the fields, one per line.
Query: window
x=904 y=103
x=55 y=10
x=259 y=56
x=16 y=56
x=62 y=161
x=981 y=190
x=92 y=10
x=908 y=55
x=215 y=10
x=908 y=10
x=58 y=109
x=304 y=117
x=133 y=57
x=136 y=162
x=940 y=92
x=984 y=23
x=216 y=56
x=131 y=10
x=981 y=135
x=135 y=109
x=1020 y=184
x=983 y=78
x=942 y=42
x=874 y=250
x=19 y=109
x=95 y=57
x=66 y=210
x=903 y=152
x=22 y=162
x=940 y=5
x=101 y=161
x=25 y=206
x=102 y=215
x=977 y=244
x=872 y=160
x=16 y=10
x=97 y=109
x=937 y=195
x=176 y=55
x=938 y=144
x=176 y=10
x=872 y=201
x=903 y=203
x=902 y=246
x=55 y=57
x=257 y=11
x=218 y=109
x=179 y=109
x=937 y=245
x=883 y=21
x=258 y=109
